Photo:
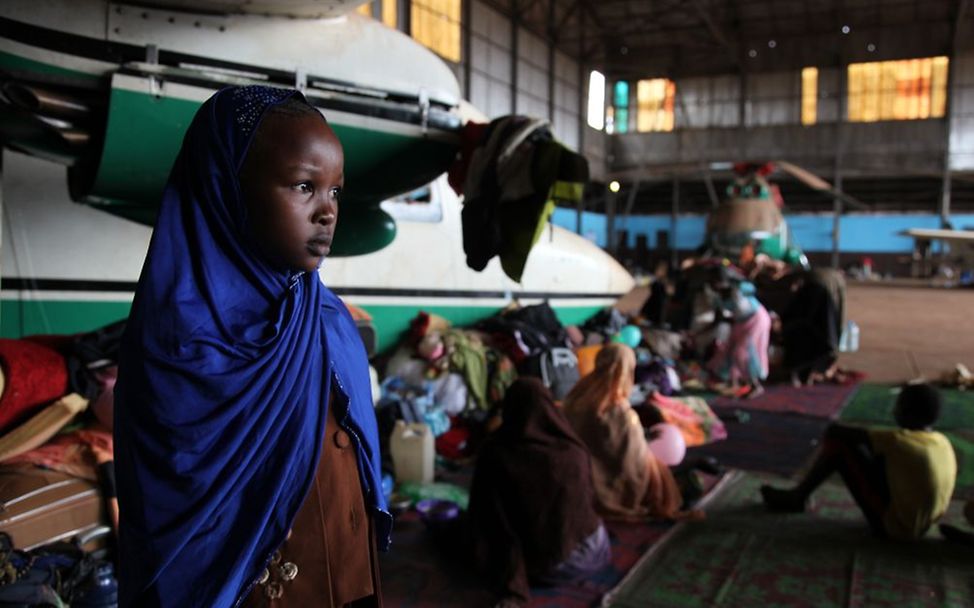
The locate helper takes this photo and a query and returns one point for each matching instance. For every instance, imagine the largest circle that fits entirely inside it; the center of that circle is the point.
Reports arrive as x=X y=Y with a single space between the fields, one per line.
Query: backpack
x=557 y=367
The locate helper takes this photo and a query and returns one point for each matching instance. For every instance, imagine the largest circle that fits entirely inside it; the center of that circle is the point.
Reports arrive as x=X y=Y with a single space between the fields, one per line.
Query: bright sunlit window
x=387 y=8
x=596 y=100
x=436 y=25
x=620 y=100
x=654 y=104
x=809 y=96
x=906 y=89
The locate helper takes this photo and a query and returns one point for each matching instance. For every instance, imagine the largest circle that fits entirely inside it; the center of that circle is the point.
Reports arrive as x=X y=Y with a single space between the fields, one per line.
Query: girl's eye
x=336 y=192
x=304 y=188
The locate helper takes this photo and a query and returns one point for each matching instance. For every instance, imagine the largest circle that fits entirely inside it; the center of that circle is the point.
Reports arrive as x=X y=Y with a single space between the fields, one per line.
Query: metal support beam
x=582 y=87
x=515 y=19
x=404 y=14
x=836 y=217
x=631 y=198
x=837 y=207
x=466 y=16
x=610 y=222
x=552 y=40
x=674 y=219
x=711 y=191
x=714 y=29
x=945 y=189
x=579 y=210
x=568 y=14
x=742 y=116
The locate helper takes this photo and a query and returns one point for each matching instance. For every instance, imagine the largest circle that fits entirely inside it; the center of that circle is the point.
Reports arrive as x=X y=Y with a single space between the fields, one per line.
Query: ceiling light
x=614 y=186
x=870 y=47
x=752 y=53
x=846 y=29
x=772 y=44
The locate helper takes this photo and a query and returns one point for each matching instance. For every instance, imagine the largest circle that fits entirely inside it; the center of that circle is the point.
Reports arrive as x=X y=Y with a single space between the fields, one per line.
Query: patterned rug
x=426 y=570
x=874 y=403
x=421 y=572
x=742 y=555
x=765 y=441
x=820 y=401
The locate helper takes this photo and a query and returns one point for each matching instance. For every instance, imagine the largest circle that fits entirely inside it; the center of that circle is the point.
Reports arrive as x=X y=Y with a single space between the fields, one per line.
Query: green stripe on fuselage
x=144 y=134
x=29 y=317
x=16 y=63
x=20 y=318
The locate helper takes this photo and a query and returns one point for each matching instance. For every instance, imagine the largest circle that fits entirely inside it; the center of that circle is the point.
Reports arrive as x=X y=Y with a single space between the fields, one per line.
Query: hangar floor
x=909 y=329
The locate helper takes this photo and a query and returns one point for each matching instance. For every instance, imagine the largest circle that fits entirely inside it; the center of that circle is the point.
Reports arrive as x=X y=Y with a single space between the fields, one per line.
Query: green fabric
x=741 y=555
x=568 y=192
x=874 y=404
x=469 y=358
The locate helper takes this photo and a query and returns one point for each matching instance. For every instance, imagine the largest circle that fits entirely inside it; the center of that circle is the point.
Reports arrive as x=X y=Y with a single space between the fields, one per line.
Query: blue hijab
x=224 y=375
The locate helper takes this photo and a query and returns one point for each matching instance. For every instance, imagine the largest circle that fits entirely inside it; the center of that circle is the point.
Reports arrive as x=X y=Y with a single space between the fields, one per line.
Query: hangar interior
x=662 y=303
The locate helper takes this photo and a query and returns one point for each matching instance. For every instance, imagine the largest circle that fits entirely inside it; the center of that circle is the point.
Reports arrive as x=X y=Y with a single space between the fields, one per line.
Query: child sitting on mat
x=902 y=478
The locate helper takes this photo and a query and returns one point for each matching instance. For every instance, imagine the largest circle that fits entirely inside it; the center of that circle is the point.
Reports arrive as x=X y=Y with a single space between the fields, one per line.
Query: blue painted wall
x=593 y=224
x=874 y=233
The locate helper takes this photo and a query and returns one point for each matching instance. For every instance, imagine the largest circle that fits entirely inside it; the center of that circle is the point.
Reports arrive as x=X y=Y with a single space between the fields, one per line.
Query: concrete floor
x=909 y=329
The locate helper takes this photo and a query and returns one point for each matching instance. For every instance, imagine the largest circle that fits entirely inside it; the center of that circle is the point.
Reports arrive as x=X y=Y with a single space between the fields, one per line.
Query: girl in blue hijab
x=236 y=362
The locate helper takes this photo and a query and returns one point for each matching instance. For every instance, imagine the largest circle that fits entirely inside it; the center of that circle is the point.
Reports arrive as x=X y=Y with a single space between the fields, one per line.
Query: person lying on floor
x=531 y=512
x=630 y=482
x=902 y=478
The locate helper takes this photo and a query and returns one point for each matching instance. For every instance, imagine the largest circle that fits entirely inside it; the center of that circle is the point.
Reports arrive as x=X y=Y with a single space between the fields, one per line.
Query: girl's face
x=291 y=181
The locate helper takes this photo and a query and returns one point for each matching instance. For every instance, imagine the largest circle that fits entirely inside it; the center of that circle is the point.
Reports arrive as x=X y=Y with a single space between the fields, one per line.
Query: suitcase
x=39 y=506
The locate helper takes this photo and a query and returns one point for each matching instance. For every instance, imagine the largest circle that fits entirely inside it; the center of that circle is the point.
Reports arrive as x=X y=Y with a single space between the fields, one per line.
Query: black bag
x=55 y=575
x=557 y=367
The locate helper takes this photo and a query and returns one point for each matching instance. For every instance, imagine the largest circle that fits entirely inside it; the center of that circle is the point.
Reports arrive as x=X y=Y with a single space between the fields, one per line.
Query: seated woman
x=531 y=501
x=630 y=483
x=811 y=325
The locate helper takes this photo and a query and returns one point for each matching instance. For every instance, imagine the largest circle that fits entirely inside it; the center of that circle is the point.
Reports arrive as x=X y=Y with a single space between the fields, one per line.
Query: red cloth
x=34 y=374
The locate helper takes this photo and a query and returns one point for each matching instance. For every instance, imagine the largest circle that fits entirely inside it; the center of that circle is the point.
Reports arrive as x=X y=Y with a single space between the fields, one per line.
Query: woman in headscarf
x=812 y=324
x=532 y=509
x=236 y=363
x=630 y=483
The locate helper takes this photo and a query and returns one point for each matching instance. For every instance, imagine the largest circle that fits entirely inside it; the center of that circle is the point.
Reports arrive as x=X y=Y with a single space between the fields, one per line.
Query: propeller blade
x=817 y=183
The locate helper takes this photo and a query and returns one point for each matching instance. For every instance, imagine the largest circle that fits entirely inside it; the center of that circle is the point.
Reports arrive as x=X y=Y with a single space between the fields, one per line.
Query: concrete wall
x=897 y=148
x=708 y=128
x=492 y=74
x=962 y=113
x=858 y=233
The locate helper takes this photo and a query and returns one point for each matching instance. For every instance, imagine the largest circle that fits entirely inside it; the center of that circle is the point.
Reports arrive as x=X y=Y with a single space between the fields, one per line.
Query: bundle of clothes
x=56 y=411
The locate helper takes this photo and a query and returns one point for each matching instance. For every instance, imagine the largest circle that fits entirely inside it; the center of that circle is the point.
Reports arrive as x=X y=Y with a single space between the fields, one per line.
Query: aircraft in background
x=107 y=90
x=960 y=250
x=752 y=212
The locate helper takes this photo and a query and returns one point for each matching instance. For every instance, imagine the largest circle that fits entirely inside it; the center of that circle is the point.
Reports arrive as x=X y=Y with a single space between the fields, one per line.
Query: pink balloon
x=669 y=446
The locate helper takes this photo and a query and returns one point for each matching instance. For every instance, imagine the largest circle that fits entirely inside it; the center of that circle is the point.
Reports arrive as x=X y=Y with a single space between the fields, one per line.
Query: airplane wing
x=965 y=237
x=280 y=8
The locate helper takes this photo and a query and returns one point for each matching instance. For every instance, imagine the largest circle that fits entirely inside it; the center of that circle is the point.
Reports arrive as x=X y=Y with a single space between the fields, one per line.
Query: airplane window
x=420 y=205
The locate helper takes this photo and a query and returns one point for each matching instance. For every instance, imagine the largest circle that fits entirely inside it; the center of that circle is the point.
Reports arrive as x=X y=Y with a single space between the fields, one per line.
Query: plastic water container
x=413 y=452
x=849 y=342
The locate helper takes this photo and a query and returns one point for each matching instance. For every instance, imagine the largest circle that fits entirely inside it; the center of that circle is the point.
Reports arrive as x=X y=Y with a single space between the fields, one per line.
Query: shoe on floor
x=782 y=501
